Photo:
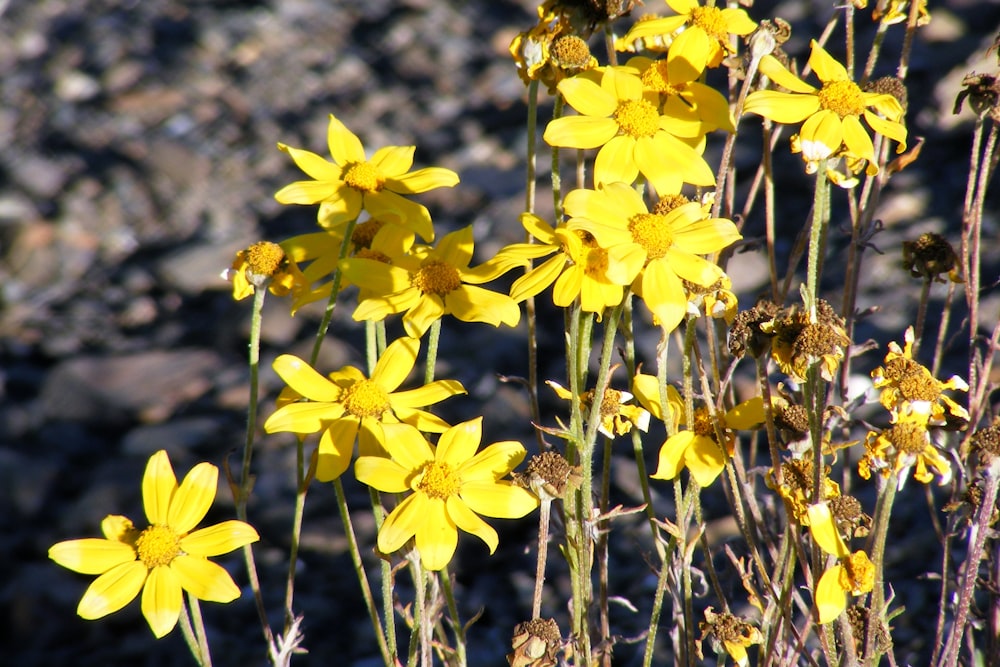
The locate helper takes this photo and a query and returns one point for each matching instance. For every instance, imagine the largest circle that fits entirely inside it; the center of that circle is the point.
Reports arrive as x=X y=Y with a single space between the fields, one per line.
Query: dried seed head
x=983 y=93
x=859 y=619
x=667 y=203
x=570 y=53
x=986 y=442
x=547 y=475
x=536 y=643
x=889 y=85
x=745 y=334
x=930 y=257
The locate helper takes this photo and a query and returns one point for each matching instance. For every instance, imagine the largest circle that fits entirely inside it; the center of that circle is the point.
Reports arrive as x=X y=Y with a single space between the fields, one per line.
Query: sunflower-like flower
x=451 y=485
x=670 y=244
x=832 y=113
x=904 y=444
x=349 y=406
x=578 y=269
x=427 y=284
x=164 y=559
x=853 y=574
x=906 y=382
x=265 y=264
x=352 y=182
x=622 y=119
x=704 y=32
x=796 y=489
x=550 y=52
x=617 y=414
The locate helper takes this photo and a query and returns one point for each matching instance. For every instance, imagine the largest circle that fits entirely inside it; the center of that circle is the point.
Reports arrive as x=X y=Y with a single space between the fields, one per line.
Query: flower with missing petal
x=351 y=182
x=348 y=406
x=164 y=559
x=624 y=121
x=905 y=443
x=907 y=383
x=451 y=486
x=265 y=264
x=428 y=284
x=617 y=415
x=671 y=244
x=832 y=113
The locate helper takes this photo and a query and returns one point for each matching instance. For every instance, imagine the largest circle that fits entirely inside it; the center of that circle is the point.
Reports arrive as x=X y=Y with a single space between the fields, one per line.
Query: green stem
x=191 y=638
x=817 y=231
x=199 y=631
x=876 y=611
x=331 y=304
x=457 y=626
x=433 y=340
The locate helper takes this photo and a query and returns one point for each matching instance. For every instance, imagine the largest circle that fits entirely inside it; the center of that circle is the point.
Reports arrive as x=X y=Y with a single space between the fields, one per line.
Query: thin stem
x=544 y=515
x=190 y=637
x=457 y=627
x=816 y=234
x=331 y=304
x=876 y=548
x=433 y=340
x=199 y=631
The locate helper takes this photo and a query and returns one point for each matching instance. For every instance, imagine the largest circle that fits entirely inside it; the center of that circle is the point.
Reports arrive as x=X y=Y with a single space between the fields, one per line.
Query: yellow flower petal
x=112 y=590
x=91 y=555
x=824 y=530
x=158 y=486
x=436 y=537
x=456 y=248
x=315 y=166
x=535 y=281
x=772 y=68
x=475 y=304
x=422 y=180
x=336 y=447
x=580 y=131
x=822 y=134
x=663 y=293
x=886 y=128
x=704 y=459
x=587 y=97
x=402 y=523
x=426 y=395
x=407 y=446
x=831 y=599
x=418 y=319
x=304 y=379
x=615 y=161
x=856 y=138
x=826 y=66
x=500 y=499
x=459 y=443
x=694 y=47
x=382 y=474
x=494 y=462
x=568 y=287
x=219 y=539
x=396 y=363
x=468 y=521
x=161 y=600
x=388 y=206
x=344 y=145
x=193 y=498
x=204 y=579
x=392 y=162
x=747 y=415
x=781 y=107
x=671 y=457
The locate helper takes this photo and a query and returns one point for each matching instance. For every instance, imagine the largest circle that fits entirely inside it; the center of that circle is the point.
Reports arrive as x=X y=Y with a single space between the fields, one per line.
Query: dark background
x=137 y=154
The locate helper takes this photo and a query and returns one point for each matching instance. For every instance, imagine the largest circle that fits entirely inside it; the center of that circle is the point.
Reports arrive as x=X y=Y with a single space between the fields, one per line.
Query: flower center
x=363 y=177
x=364 y=233
x=436 y=277
x=711 y=20
x=158 y=545
x=368 y=253
x=611 y=404
x=265 y=258
x=919 y=387
x=637 y=118
x=570 y=52
x=366 y=398
x=843 y=98
x=439 y=481
x=908 y=437
x=703 y=423
x=650 y=231
x=656 y=78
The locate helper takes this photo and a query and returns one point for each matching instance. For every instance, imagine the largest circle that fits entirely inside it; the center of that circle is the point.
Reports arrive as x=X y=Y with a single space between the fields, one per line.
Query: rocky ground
x=138 y=154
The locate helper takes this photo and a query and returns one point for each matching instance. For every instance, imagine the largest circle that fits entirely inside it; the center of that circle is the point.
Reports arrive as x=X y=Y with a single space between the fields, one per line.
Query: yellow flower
x=549 y=52
x=799 y=343
x=704 y=37
x=698 y=448
x=832 y=113
x=579 y=269
x=624 y=121
x=162 y=560
x=616 y=414
x=905 y=443
x=451 y=486
x=265 y=264
x=647 y=391
x=350 y=406
x=854 y=573
x=735 y=634
x=796 y=489
x=429 y=284
x=351 y=182
x=670 y=244
x=907 y=383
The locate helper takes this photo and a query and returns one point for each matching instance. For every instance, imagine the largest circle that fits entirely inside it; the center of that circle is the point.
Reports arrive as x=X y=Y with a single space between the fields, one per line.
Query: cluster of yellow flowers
x=634 y=232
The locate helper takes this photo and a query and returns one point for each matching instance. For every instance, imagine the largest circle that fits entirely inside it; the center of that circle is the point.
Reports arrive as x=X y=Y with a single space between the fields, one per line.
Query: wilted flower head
x=930 y=257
